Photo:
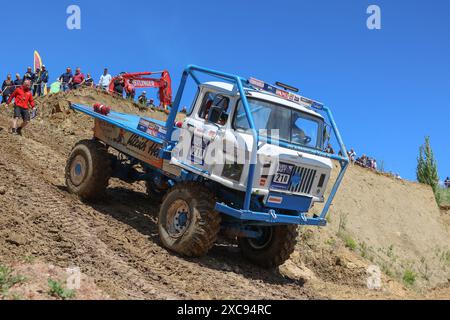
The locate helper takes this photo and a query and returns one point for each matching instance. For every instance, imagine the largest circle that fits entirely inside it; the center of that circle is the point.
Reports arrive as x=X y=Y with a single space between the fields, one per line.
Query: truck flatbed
x=145 y=127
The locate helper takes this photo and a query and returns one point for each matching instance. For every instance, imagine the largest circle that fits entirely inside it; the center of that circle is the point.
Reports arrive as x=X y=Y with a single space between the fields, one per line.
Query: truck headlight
x=322 y=179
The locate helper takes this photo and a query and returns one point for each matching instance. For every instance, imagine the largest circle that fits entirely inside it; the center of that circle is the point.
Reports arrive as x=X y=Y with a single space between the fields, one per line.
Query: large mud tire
x=274 y=247
x=88 y=170
x=188 y=223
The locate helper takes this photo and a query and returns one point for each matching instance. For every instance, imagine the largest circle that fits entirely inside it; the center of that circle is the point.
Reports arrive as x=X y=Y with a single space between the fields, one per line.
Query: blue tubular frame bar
x=343 y=161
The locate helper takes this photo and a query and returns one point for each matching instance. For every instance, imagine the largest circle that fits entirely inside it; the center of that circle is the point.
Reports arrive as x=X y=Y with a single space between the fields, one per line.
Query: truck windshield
x=289 y=125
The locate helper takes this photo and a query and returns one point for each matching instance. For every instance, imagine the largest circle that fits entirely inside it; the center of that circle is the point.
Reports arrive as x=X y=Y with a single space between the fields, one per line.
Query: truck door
x=206 y=128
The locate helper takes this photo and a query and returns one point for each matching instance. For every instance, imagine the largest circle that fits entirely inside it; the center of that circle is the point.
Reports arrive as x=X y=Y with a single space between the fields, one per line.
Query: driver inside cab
x=298 y=134
x=218 y=102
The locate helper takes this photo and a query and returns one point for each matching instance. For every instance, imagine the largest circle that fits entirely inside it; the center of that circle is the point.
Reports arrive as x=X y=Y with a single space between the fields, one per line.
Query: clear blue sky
x=388 y=89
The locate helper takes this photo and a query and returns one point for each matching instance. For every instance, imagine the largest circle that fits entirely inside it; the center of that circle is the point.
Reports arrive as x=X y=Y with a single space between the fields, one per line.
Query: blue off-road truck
x=248 y=161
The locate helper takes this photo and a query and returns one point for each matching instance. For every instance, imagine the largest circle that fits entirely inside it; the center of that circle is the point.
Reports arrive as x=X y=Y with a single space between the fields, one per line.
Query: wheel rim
x=262 y=241
x=178 y=218
x=78 y=170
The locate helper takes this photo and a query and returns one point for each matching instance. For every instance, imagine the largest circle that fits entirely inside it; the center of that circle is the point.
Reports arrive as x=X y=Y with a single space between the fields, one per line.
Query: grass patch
x=342 y=223
x=409 y=277
x=444 y=196
x=349 y=242
x=17 y=297
x=444 y=257
x=7 y=280
x=57 y=290
x=366 y=251
x=387 y=271
x=29 y=259
x=390 y=251
x=331 y=242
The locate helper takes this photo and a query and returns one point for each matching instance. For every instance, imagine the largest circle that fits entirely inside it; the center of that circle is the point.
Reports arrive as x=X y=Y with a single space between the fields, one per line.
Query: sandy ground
x=115 y=241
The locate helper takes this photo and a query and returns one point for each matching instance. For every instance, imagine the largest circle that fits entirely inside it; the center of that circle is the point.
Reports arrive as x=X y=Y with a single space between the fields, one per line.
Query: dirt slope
x=395 y=223
x=115 y=241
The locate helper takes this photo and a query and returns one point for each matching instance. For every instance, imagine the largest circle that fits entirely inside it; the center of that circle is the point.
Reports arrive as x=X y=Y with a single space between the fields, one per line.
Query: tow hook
x=273 y=214
x=303 y=216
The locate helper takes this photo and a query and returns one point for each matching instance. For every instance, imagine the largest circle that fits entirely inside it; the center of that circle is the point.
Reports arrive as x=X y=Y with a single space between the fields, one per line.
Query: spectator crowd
x=39 y=84
x=363 y=161
x=21 y=91
x=366 y=162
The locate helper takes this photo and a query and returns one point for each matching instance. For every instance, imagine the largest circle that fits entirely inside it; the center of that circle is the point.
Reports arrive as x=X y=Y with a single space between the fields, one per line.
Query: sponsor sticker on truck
x=129 y=143
x=152 y=129
x=283 y=176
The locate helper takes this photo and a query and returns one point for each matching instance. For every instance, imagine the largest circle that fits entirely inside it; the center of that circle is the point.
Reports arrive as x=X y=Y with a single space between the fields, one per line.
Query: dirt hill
x=375 y=220
x=395 y=224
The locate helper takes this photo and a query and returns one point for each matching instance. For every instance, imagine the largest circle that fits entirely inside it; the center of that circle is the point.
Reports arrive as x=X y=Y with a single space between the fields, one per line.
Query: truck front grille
x=301 y=181
x=306 y=180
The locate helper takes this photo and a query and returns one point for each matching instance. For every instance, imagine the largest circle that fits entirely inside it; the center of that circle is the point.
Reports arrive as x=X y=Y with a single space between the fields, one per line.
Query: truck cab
x=217 y=135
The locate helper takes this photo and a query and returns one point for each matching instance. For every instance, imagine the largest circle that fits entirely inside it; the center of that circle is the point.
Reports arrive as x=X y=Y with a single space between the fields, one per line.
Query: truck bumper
x=277 y=200
x=269 y=218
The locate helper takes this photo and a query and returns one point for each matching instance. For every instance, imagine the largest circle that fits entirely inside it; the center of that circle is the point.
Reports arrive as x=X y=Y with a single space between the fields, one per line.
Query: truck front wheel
x=88 y=169
x=272 y=248
x=188 y=223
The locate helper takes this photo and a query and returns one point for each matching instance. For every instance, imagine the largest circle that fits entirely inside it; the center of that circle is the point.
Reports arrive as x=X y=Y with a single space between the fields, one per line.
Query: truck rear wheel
x=272 y=248
x=88 y=169
x=188 y=223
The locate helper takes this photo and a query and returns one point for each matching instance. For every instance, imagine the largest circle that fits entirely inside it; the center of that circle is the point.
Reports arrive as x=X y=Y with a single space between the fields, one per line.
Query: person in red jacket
x=23 y=99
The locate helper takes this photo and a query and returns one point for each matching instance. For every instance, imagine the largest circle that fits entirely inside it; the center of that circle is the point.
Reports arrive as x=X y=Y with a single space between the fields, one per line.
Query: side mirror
x=215 y=114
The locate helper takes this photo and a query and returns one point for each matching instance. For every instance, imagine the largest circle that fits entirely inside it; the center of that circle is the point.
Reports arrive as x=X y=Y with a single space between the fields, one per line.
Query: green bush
x=409 y=277
x=427 y=172
x=7 y=280
x=444 y=197
x=57 y=290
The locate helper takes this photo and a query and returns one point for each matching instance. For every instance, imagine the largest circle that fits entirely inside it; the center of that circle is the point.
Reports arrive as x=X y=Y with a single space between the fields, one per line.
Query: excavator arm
x=142 y=80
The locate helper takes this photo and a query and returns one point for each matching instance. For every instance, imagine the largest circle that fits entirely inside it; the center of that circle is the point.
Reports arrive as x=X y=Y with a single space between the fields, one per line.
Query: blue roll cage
x=245 y=213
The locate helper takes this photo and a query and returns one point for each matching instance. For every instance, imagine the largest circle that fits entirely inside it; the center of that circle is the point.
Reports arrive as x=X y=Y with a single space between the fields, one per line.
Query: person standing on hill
x=130 y=90
x=37 y=83
x=329 y=149
x=7 y=88
x=374 y=165
x=29 y=75
x=89 y=82
x=447 y=183
x=44 y=80
x=119 y=85
x=23 y=99
x=66 y=80
x=78 y=79
x=18 y=82
x=151 y=104
x=105 y=80
x=142 y=99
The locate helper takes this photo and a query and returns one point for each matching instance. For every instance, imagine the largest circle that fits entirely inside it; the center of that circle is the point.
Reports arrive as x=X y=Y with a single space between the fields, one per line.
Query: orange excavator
x=142 y=80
